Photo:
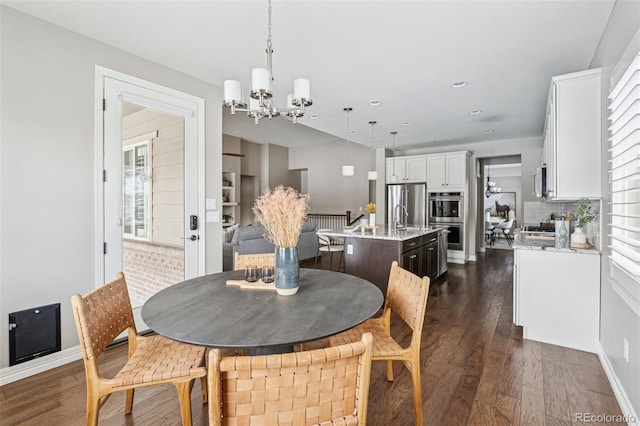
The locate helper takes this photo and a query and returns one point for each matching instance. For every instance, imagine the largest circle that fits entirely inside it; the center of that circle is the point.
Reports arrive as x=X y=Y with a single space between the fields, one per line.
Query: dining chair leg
x=184 y=395
x=389 y=371
x=128 y=405
x=203 y=388
x=331 y=261
x=417 y=392
x=93 y=406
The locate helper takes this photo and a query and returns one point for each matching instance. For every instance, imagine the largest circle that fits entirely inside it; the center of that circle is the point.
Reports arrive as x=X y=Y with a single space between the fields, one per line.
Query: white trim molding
x=39 y=365
x=621 y=396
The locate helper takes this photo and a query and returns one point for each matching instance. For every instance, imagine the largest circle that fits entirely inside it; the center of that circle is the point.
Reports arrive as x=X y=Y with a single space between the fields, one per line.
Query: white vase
x=372 y=219
x=578 y=239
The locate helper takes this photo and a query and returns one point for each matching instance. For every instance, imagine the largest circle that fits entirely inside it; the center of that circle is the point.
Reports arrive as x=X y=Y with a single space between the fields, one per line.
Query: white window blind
x=624 y=172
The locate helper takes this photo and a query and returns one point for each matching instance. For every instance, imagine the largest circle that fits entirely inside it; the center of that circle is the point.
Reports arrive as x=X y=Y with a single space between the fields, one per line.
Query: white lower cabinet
x=556 y=297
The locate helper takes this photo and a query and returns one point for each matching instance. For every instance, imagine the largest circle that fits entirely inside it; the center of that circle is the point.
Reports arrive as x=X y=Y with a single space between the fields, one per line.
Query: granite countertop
x=383 y=232
x=520 y=242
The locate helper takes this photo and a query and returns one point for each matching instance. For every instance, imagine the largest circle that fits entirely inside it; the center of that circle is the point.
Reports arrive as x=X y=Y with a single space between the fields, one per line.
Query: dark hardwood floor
x=476 y=370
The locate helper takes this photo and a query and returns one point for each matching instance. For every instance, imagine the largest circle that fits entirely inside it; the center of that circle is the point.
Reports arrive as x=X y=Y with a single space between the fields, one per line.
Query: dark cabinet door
x=412 y=261
x=431 y=259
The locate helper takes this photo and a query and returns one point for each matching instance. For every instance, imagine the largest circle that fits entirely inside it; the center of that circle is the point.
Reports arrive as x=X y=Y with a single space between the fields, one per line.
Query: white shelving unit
x=229 y=200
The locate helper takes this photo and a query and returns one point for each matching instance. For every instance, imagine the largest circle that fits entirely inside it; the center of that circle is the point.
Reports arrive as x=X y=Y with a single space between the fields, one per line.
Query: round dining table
x=207 y=311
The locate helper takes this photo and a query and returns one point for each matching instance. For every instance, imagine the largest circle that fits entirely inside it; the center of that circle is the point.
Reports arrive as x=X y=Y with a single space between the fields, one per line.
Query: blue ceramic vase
x=287 y=271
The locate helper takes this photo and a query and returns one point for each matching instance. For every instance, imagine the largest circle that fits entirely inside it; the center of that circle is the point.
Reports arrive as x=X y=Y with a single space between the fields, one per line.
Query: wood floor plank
x=532 y=406
x=476 y=369
x=532 y=364
x=513 y=370
x=555 y=394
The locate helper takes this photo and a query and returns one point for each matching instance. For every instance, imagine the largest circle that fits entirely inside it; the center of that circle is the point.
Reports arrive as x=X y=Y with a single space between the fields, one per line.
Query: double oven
x=446 y=210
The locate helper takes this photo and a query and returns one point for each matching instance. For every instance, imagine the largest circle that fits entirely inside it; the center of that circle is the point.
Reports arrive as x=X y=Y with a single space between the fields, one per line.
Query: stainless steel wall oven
x=446 y=209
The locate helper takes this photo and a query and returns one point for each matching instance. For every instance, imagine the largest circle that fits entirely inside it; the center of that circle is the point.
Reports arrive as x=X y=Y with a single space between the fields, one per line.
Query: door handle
x=192 y=238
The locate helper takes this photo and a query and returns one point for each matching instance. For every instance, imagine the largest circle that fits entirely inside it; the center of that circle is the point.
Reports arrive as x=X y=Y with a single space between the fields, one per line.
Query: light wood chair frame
x=407 y=296
x=241 y=261
x=101 y=316
x=327 y=386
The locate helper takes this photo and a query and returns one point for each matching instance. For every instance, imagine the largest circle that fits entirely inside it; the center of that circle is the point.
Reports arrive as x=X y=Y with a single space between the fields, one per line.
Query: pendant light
x=394 y=177
x=348 y=169
x=372 y=174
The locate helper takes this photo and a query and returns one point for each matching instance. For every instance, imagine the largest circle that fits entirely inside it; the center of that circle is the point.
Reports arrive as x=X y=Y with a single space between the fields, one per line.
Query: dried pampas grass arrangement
x=282 y=212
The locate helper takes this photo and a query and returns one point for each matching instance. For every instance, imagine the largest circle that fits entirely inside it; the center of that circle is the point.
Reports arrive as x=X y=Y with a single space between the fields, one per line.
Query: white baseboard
x=39 y=365
x=473 y=258
x=621 y=396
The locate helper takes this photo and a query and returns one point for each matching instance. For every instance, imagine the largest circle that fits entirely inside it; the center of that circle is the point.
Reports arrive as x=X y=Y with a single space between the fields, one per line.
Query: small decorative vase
x=372 y=219
x=287 y=271
x=578 y=239
x=562 y=235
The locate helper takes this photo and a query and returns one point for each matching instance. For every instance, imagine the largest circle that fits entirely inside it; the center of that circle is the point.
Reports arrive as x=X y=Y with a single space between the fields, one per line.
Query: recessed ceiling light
x=353 y=132
x=475 y=111
x=431 y=138
x=459 y=84
x=374 y=102
x=488 y=131
x=407 y=123
x=314 y=116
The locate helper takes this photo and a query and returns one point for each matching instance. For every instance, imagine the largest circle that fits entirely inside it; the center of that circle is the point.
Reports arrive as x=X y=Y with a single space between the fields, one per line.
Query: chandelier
x=491 y=186
x=261 y=102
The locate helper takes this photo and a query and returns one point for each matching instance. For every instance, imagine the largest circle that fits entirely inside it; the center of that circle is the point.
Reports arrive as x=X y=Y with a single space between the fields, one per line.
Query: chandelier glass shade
x=348 y=169
x=372 y=174
x=261 y=95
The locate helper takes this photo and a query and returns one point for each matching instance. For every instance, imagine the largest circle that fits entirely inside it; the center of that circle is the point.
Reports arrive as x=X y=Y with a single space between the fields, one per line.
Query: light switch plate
x=213 y=216
x=211 y=203
x=349 y=248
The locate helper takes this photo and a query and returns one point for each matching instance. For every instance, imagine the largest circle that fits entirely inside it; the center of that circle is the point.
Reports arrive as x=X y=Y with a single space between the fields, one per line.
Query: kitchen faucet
x=396 y=222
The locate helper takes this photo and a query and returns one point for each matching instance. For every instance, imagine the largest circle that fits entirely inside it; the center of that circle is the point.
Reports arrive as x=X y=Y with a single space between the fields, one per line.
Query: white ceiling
x=403 y=53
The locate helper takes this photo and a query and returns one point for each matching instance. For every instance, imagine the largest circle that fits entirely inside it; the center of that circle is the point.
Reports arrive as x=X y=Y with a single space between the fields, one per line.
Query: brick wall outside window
x=150 y=267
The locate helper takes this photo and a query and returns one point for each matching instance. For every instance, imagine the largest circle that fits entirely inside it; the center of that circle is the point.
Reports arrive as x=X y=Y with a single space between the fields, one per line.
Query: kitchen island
x=369 y=252
x=556 y=293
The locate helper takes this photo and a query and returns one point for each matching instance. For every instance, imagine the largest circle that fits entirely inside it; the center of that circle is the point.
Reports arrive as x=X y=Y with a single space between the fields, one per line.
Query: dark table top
x=205 y=311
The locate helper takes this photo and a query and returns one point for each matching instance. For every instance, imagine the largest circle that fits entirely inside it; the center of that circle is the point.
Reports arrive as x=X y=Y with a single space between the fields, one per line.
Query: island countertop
x=383 y=232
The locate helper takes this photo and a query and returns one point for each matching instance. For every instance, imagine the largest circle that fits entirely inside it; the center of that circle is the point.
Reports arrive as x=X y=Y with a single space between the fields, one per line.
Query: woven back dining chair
x=327 y=386
x=407 y=298
x=241 y=261
x=100 y=317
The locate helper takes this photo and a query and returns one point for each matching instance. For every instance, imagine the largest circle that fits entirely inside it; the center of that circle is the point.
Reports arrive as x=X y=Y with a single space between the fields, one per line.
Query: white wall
x=330 y=192
x=619 y=312
x=47 y=173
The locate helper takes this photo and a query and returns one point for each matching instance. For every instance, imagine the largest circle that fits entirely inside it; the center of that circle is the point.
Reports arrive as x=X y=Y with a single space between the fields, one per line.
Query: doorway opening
x=153 y=200
x=500 y=206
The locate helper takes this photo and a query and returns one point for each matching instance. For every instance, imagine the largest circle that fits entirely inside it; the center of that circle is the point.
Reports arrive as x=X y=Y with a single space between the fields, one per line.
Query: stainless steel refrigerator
x=411 y=195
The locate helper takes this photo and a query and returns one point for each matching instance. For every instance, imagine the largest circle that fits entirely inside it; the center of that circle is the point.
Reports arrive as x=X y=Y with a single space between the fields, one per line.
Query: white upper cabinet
x=571 y=147
x=408 y=169
x=447 y=171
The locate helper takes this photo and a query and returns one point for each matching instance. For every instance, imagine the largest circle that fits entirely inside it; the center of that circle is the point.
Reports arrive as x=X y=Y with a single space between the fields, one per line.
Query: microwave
x=539 y=182
x=446 y=207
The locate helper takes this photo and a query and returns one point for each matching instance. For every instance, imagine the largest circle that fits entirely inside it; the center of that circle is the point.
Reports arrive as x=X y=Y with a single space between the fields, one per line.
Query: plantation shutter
x=624 y=171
